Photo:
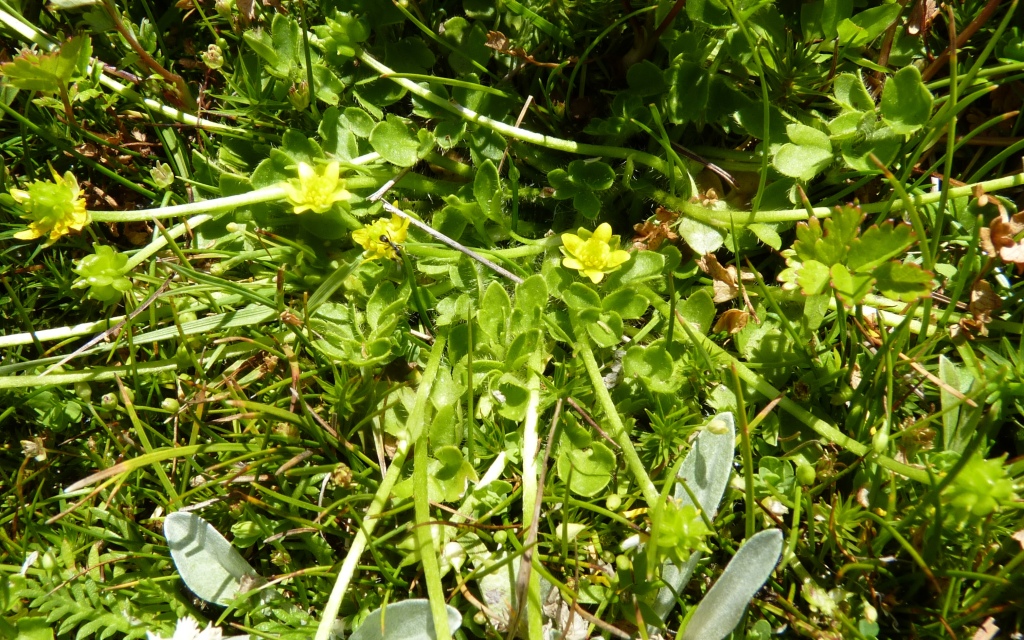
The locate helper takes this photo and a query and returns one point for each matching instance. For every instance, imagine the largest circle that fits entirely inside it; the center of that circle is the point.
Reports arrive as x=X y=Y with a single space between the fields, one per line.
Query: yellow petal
x=28 y=234
x=603 y=233
x=572 y=243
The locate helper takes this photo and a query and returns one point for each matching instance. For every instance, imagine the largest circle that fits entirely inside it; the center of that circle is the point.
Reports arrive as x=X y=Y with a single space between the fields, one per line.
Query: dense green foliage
x=407 y=298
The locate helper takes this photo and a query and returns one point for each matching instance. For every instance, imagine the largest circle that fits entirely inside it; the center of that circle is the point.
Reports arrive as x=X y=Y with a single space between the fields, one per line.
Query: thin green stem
x=549 y=142
x=348 y=566
x=618 y=430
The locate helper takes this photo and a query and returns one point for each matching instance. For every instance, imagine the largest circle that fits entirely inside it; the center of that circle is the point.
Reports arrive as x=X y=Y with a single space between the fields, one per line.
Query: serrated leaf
x=48 y=72
x=813 y=277
x=906 y=102
x=828 y=245
x=905 y=282
x=207 y=563
x=878 y=244
x=720 y=610
x=406 y=620
x=851 y=287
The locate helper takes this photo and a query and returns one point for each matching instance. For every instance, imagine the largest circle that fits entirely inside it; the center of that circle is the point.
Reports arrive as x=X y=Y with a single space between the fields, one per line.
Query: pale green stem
x=618 y=431
x=421 y=499
x=759 y=384
x=359 y=542
x=539 y=139
x=217 y=205
x=738 y=219
x=531 y=494
x=89 y=375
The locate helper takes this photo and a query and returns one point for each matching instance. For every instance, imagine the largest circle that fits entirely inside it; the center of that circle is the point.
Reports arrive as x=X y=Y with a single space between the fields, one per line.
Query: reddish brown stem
x=965 y=35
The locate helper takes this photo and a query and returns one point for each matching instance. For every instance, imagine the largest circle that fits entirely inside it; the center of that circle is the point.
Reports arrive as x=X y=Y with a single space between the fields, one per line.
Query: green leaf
x=851 y=287
x=703 y=239
x=654 y=367
x=587 y=470
x=905 y=282
x=813 y=277
x=906 y=102
x=579 y=181
x=579 y=298
x=487 y=190
x=808 y=153
x=688 y=88
x=867 y=25
x=699 y=311
x=851 y=93
x=393 y=140
x=721 y=608
x=495 y=309
x=874 y=139
x=629 y=304
x=829 y=246
x=801 y=162
x=767 y=233
x=878 y=244
x=646 y=79
x=48 y=72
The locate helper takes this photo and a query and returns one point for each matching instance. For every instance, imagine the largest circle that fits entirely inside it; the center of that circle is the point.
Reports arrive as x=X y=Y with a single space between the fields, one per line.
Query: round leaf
x=395 y=143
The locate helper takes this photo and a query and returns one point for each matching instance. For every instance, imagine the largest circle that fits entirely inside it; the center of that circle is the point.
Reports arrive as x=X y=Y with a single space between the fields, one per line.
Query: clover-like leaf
x=808 y=153
x=906 y=102
x=587 y=470
x=654 y=367
x=579 y=181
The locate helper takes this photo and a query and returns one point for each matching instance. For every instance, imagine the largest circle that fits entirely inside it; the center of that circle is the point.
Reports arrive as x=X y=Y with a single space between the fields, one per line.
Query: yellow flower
x=316 y=189
x=593 y=254
x=54 y=208
x=377 y=238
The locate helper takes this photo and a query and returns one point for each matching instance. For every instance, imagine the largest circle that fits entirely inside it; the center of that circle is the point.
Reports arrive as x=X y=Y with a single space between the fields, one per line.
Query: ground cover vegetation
x=484 y=318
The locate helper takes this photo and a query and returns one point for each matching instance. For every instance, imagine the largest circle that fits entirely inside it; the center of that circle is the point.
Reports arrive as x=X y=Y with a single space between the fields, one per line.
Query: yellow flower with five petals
x=54 y=208
x=379 y=237
x=316 y=189
x=593 y=253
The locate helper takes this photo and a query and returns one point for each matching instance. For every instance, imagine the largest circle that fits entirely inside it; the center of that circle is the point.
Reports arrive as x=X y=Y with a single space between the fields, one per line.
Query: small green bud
x=298 y=95
x=170 y=405
x=805 y=474
x=280 y=558
x=613 y=502
x=49 y=562
x=623 y=564
x=500 y=536
x=162 y=175
x=880 y=441
x=108 y=402
x=213 y=57
x=83 y=391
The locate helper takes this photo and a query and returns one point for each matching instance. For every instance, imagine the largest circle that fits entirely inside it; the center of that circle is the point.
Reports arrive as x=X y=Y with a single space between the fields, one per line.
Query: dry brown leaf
x=983 y=301
x=651 y=235
x=138 y=233
x=732 y=321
